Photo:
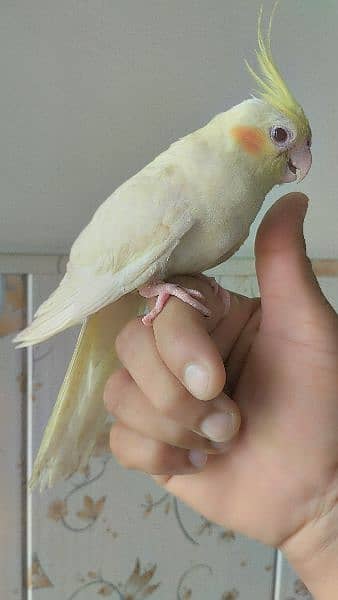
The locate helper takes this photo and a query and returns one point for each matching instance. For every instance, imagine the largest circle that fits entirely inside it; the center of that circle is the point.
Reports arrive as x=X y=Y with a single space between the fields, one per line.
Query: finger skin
x=230 y=328
x=134 y=451
x=285 y=456
x=278 y=482
x=137 y=350
x=127 y=403
x=240 y=350
x=153 y=401
x=281 y=256
x=182 y=339
x=288 y=286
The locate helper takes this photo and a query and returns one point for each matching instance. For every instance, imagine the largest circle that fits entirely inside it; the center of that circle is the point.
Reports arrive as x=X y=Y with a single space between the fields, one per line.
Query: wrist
x=313 y=553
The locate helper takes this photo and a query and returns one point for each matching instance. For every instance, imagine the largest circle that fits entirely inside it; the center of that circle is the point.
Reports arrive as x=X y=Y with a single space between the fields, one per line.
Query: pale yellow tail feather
x=79 y=415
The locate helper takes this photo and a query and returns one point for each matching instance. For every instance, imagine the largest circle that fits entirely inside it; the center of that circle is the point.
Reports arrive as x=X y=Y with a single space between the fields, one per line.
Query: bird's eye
x=280 y=135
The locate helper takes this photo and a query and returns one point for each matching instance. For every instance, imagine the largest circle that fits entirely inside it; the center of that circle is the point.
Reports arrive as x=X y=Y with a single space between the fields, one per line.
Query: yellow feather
x=272 y=87
x=79 y=415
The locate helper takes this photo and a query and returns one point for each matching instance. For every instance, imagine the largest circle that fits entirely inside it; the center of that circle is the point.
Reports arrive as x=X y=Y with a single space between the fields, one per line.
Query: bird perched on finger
x=185 y=212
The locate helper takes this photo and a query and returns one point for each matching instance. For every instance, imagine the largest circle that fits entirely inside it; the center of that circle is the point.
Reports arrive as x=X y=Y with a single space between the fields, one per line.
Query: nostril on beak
x=292 y=167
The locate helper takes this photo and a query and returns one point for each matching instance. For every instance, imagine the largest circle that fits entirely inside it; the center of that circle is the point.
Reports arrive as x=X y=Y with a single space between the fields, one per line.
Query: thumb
x=284 y=272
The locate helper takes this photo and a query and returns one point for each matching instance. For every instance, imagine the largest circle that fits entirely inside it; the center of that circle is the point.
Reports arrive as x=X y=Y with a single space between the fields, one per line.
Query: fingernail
x=220 y=446
x=196 y=379
x=198 y=458
x=219 y=426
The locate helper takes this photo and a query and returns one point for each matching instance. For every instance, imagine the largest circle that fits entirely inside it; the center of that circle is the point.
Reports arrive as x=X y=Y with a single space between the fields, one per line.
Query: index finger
x=184 y=343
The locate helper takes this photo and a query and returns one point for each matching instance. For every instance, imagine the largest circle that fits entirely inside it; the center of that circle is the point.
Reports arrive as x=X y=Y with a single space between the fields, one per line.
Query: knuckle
x=117 y=447
x=172 y=404
x=157 y=459
x=108 y=392
x=181 y=439
x=121 y=379
x=164 y=460
x=125 y=339
x=126 y=461
x=161 y=459
x=188 y=439
x=114 y=387
x=114 y=439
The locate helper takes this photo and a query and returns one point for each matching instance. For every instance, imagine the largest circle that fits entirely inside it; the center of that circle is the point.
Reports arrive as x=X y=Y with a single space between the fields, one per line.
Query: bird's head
x=275 y=128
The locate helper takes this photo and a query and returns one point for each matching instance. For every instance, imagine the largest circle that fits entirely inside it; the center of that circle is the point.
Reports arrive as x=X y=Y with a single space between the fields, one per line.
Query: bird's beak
x=299 y=163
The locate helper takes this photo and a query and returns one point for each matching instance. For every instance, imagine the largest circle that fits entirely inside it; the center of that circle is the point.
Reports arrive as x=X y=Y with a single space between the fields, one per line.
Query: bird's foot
x=163 y=291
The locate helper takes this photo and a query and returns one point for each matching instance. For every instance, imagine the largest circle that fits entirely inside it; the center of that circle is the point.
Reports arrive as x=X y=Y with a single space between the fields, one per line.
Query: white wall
x=92 y=90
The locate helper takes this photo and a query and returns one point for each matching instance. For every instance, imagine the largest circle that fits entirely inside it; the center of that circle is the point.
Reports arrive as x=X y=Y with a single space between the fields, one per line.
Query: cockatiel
x=185 y=212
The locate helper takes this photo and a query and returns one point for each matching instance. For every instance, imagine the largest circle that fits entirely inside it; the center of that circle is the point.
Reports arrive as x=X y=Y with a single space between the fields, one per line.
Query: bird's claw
x=163 y=291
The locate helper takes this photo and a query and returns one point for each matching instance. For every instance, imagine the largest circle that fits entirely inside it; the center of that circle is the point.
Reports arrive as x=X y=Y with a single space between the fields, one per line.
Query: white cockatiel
x=188 y=210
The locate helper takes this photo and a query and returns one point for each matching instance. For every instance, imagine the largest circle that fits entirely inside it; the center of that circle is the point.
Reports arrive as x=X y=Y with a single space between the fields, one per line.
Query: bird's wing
x=128 y=242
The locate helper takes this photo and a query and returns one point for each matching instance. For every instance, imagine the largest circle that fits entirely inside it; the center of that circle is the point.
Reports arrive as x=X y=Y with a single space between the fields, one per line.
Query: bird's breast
x=218 y=232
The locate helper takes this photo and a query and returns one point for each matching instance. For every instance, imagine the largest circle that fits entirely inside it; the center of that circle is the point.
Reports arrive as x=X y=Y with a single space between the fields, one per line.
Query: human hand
x=277 y=481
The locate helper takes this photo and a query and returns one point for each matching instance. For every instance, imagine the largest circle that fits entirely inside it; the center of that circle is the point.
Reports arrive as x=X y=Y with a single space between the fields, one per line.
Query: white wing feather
x=126 y=244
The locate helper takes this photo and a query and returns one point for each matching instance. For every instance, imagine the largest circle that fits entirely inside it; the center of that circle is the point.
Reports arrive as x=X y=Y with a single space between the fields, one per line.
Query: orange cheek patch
x=250 y=138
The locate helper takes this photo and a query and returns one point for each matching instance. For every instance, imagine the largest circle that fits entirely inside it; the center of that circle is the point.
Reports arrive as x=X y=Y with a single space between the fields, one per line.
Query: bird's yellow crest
x=272 y=87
